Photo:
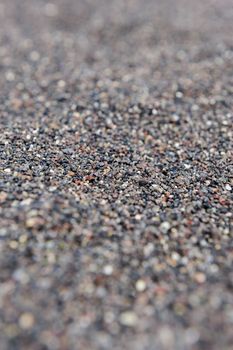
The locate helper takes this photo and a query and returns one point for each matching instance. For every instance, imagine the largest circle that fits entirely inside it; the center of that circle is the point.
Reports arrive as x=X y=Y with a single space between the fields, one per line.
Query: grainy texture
x=116 y=174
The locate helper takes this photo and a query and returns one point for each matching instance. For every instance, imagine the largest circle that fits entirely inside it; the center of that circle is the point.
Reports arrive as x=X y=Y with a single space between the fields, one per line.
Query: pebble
x=26 y=321
x=165 y=227
x=140 y=285
x=108 y=270
x=200 y=277
x=34 y=222
x=129 y=319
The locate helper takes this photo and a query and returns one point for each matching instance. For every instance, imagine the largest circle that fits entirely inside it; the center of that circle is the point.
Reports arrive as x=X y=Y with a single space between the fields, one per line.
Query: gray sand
x=116 y=174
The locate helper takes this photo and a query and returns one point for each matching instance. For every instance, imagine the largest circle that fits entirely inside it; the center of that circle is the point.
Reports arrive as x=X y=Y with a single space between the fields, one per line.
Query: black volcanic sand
x=116 y=174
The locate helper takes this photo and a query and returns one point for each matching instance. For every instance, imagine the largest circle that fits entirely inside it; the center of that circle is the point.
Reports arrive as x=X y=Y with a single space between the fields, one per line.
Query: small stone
x=165 y=227
x=16 y=103
x=148 y=249
x=157 y=188
x=175 y=118
x=34 y=56
x=3 y=197
x=200 y=277
x=21 y=276
x=7 y=170
x=179 y=94
x=26 y=321
x=195 y=107
x=108 y=270
x=61 y=84
x=51 y=258
x=23 y=239
x=13 y=244
x=140 y=285
x=128 y=318
x=10 y=76
x=34 y=222
x=187 y=166
x=175 y=256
